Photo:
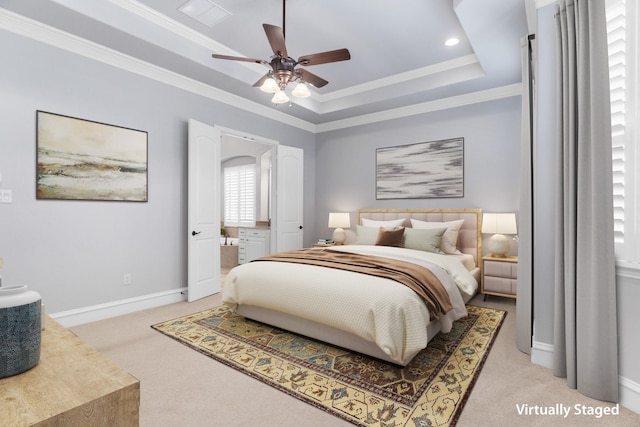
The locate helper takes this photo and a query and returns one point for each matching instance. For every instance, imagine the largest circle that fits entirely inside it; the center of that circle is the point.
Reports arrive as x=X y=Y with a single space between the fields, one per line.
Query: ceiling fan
x=283 y=68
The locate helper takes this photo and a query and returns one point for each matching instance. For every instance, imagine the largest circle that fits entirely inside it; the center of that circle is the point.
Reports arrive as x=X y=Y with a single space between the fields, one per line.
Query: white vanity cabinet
x=254 y=243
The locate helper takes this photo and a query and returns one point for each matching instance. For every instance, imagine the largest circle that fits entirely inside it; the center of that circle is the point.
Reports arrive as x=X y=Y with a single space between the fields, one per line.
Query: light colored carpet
x=181 y=387
x=431 y=390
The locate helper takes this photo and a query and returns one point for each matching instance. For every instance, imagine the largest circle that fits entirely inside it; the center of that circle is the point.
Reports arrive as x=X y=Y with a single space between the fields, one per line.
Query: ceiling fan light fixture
x=301 y=91
x=280 y=97
x=270 y=86
x=283 y=67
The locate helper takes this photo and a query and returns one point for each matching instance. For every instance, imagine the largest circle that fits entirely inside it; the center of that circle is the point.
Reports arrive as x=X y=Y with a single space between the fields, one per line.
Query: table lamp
x=499 y=224
x=339 y=220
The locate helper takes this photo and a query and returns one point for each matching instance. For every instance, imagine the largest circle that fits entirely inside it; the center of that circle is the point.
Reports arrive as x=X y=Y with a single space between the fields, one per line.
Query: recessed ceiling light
x=205 y=11
x=452 y=41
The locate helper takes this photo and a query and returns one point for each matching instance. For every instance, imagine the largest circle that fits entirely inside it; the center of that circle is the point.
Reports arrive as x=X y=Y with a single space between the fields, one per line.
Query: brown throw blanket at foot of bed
x=418 y=278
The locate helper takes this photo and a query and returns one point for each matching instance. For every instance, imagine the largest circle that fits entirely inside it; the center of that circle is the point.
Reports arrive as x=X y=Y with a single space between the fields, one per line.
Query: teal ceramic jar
x=20 y=329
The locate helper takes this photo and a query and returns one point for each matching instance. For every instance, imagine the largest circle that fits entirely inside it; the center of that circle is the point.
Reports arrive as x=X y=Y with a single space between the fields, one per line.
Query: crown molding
x=543 y=3
x=425 y=107
x=40 y=32
x=461 y=62
x=162 y=21
x=34 y=30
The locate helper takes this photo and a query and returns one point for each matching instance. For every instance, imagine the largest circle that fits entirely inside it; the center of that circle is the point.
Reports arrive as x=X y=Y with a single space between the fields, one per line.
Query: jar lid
x=13 y=296
x=11 y=290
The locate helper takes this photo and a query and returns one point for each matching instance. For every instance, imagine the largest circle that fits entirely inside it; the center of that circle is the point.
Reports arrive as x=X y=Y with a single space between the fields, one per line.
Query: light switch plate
x=6 y=196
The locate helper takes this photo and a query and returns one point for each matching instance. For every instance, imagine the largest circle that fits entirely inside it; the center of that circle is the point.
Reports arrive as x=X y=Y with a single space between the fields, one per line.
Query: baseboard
x=542 y=354
x=630 y=394
x=118 y=308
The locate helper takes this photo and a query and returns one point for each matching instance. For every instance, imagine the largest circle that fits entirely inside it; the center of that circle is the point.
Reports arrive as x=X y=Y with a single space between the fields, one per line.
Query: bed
x=365 y=313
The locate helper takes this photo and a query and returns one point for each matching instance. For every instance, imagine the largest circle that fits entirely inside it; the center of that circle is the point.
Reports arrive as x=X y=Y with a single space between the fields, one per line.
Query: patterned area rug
x=430 y=391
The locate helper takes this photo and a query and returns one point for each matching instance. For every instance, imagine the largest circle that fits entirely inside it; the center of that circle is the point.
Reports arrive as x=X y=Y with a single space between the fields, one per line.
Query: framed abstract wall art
x=423 y=170
x=85 y=160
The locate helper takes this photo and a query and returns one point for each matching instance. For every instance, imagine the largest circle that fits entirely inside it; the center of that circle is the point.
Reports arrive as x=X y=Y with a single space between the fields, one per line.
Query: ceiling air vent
x=204 y=11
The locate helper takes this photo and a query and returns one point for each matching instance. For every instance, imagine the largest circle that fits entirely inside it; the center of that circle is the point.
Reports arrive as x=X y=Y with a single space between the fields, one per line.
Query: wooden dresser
x=72 y=385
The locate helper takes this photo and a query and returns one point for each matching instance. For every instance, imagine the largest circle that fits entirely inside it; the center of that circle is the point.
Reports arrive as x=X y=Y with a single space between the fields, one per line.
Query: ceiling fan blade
x=312 y=79
x=275 y=35
x=261 y=81
x=240 y=58
x=325 y=57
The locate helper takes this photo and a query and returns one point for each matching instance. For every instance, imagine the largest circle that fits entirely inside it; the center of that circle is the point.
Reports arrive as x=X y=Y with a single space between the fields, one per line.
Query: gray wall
x=545 y=178
x=74 y=253
x=346 y=159
x=628 y=283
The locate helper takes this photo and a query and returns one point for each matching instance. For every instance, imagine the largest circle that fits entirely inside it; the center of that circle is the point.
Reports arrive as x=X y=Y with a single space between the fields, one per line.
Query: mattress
x=374 y=309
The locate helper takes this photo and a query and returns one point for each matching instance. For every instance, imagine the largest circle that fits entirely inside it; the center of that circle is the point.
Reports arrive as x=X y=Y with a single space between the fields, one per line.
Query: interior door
x=203 y=275
x=289 y=198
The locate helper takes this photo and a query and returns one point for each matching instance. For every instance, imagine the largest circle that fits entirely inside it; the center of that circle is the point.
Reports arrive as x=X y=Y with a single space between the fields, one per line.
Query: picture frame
x=80 y=159
x=423 y=170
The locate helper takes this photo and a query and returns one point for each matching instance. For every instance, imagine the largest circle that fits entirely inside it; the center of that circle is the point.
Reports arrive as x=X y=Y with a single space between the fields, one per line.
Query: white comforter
x=376 y=309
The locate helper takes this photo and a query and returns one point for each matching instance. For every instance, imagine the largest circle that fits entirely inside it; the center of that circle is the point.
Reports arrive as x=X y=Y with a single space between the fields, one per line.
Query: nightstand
x=322 y=245
x=499 y=276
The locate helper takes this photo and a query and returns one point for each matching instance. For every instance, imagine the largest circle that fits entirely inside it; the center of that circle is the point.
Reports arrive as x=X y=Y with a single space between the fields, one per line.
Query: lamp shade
x=270 y=86
x=500 y=223
x=339 y=220
x=301 y=91
x=280 y=97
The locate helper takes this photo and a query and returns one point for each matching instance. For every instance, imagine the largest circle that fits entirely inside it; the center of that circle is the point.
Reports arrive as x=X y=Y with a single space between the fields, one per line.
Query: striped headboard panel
x=469 y=238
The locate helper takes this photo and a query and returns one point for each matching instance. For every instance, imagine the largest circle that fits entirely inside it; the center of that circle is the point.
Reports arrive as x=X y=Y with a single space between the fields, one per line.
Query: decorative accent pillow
x=389 y=225
x=427 y=239
x=366 y=235
x=450 y=237
x=390 y=237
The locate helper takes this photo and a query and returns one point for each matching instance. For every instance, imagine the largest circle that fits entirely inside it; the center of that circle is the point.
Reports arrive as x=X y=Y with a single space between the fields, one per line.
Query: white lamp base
x=339 y=236
x=498 y=245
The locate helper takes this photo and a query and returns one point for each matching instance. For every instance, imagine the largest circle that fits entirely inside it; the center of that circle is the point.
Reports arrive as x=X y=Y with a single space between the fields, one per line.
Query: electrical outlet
x=126 y=279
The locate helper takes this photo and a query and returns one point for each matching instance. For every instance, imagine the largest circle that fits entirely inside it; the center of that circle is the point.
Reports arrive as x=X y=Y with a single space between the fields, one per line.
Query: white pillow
x=389 y=225
x=450 y=236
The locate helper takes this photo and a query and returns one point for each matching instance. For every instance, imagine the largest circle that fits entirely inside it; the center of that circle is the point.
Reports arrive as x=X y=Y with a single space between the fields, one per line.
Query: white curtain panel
x=585 y=327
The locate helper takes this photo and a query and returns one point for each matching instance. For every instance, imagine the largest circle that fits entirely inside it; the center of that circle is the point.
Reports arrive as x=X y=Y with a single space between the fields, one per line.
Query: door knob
x=300 y=227
x=193 y=233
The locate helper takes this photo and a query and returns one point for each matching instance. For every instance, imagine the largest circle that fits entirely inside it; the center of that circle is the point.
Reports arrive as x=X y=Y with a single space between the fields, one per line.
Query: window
x=622 y=39
x=240 y=196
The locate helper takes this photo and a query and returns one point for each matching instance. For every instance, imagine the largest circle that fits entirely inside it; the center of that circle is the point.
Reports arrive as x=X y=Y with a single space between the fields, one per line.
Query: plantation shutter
x=240 y=196
x=616 y=35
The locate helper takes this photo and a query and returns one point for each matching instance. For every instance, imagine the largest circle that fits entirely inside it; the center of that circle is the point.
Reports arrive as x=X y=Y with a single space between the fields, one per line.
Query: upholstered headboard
x=469 y=237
